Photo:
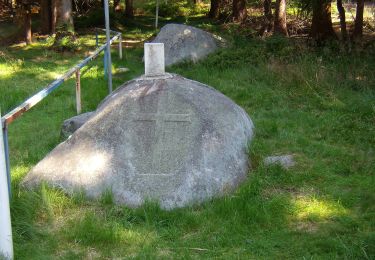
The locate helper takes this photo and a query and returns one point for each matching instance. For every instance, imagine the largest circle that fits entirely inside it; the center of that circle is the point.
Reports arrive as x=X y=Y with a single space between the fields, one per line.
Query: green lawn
x=316 y=104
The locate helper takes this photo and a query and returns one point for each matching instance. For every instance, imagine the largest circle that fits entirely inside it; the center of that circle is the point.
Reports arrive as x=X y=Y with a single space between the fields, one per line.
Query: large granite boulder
x=159 y=137
x=183 y=42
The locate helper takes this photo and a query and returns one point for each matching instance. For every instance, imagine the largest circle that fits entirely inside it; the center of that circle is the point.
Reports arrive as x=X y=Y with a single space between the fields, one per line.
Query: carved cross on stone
x=165 y=143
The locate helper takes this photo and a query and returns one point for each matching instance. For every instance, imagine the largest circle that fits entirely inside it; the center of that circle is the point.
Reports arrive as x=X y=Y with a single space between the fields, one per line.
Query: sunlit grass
x=317 y=209
x=19 y=171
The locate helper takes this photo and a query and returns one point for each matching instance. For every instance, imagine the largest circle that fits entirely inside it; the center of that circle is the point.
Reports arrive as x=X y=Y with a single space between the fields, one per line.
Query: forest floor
x=317 y=104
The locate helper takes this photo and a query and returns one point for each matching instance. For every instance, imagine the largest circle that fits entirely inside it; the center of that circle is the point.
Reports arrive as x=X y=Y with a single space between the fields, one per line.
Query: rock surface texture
x=183 y=42
x=167 y=139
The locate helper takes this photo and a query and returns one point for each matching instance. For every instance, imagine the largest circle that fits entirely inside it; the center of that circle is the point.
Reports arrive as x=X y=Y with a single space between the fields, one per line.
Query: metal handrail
x=40 y=95
x=36 y=98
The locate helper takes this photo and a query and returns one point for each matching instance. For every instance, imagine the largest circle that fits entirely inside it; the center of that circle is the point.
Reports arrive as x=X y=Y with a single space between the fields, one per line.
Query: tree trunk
x=280 y=18
x=358 y=25
x=214 y=9
x=268 y=15
x=321 y=26
x=239 y=11
x=340 y=8
x=116 y=5
x=64 y=18
x=53 y=16
x=27 y=26
x=64 y=25
x=45 y=15
x=129 y=12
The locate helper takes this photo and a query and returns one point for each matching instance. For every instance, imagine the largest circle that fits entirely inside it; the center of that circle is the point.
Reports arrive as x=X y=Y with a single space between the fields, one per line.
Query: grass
x=317 y=104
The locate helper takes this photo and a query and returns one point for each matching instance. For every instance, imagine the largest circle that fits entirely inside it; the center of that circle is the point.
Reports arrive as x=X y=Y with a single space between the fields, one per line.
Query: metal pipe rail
x=6 y=244
x=39 y=96
x=35 y=99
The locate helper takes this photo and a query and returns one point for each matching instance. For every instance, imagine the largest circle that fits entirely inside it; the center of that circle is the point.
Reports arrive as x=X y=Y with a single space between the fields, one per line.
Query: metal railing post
x=78 y=92
x=6 y=244
x=105 y=63
x=6 y=151
x=157 y=14
x=108 y=37
x=120 y=47
x=96 y=39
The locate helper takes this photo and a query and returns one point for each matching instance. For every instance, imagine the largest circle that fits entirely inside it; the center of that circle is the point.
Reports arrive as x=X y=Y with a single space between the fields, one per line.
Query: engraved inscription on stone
x=163 y=140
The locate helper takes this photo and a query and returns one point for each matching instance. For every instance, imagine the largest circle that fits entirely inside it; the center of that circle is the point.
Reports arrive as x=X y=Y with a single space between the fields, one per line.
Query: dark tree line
x=57 y=15
x=239 y=13
x=321 y=27
x=276 y=21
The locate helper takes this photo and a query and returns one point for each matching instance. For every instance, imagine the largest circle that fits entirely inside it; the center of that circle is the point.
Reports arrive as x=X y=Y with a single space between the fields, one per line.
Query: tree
x=23 y=11
x=268 y=16
x=239 y=11
x=27 y=26
x=129 y=12
x=358 y=24
x=62 y=25
x=64 y=16
x=53 y=15
x=280 y=26
x=321 y=26
x=46 y=16
x=341 y=10
x=214 y=9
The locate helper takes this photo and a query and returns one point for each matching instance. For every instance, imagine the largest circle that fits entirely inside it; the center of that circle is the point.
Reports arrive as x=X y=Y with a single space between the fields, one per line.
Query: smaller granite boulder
x=183 y=42
x=72 y=124
x=285 y=161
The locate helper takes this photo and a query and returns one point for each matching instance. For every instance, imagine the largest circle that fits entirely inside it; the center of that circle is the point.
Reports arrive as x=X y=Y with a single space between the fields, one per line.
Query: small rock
x=72 y=124
x=285 y=161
